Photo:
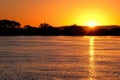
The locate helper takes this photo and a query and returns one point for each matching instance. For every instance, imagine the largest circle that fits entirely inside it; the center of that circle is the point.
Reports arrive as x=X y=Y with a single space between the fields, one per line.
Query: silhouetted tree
x=9 y=24
x=8 y=27
x=30 y=30
x=74 y=30
x=101 y=32
x=46 y=29
x=115 y=31
x=44 y=25
x=15 y=24
x=28 y=27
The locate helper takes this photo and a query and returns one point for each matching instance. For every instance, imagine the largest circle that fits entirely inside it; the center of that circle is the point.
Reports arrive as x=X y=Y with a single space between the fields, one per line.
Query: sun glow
x=92 y=18
x=92 y=24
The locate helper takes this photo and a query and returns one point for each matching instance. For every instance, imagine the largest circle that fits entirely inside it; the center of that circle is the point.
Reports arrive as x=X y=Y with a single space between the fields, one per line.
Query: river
x=59 y=58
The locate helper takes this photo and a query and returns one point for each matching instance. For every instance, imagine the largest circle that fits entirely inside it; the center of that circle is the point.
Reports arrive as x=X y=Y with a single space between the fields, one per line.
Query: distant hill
x=108 y=26
x=100 y=27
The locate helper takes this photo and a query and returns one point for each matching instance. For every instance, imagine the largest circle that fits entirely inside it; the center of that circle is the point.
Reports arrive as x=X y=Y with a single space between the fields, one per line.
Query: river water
x=60 y=58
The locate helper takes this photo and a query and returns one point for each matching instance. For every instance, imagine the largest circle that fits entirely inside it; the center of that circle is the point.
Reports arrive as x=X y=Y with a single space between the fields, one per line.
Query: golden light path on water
x=91 y=59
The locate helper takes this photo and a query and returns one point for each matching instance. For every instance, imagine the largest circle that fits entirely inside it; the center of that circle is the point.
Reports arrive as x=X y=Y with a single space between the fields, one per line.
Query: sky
x=61 y=12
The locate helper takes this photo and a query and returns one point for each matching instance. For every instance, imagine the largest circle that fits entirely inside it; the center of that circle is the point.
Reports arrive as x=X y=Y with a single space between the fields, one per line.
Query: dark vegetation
x=13 y=28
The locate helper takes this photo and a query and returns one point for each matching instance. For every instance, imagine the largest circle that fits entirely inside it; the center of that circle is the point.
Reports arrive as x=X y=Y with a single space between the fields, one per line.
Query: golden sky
x=61 y=12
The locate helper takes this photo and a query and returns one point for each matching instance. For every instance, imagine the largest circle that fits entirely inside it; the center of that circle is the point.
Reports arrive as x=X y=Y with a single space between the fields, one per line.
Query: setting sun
x=92 y=24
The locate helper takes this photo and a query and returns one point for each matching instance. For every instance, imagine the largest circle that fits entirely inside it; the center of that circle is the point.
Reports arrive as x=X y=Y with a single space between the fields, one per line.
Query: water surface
x=59 y=58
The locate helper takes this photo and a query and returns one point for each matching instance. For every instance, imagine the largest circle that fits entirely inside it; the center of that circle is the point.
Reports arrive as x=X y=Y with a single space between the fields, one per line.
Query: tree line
x=13 y=28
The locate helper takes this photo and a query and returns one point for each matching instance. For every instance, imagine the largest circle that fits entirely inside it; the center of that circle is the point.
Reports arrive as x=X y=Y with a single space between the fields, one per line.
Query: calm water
x=59 y=58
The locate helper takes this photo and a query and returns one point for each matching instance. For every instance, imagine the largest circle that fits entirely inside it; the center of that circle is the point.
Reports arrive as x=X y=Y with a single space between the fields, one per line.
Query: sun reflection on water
x=91 y=58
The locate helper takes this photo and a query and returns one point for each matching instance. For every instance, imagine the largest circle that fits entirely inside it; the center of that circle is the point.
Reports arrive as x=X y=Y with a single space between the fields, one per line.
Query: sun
x=92 y=24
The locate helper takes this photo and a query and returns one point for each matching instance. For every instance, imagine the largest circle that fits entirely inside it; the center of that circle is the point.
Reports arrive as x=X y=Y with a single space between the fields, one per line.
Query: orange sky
x=61 y=12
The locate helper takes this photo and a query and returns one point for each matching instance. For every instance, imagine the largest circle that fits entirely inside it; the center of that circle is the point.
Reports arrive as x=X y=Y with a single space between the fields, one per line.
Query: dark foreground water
x=59 y=58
